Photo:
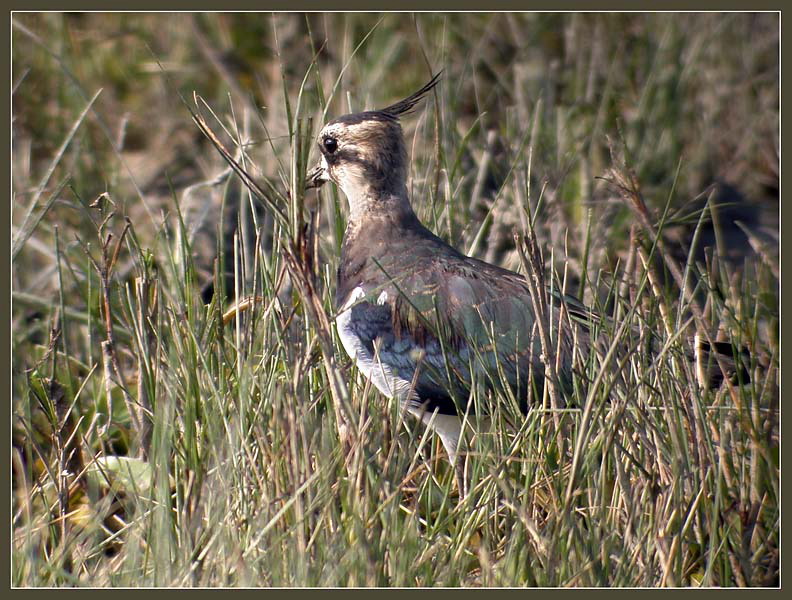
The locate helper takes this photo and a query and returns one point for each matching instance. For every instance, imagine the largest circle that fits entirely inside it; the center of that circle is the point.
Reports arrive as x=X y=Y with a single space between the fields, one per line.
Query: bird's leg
x=449 y=428
x=457 y=456
x=460 y=473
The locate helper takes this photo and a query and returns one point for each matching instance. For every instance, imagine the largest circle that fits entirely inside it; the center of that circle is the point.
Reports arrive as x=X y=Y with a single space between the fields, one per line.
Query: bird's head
x=365 y=154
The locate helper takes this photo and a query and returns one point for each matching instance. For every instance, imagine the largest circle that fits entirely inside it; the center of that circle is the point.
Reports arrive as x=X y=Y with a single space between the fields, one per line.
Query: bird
x=421 y=320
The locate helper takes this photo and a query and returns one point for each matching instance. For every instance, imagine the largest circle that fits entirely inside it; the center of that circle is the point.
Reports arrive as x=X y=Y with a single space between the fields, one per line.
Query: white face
x=352 y=157
x=324 y=171
x=364 y=155
x=346 y=151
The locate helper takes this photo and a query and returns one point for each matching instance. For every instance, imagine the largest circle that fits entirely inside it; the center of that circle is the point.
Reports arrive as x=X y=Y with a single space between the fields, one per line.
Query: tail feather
x=718 y=361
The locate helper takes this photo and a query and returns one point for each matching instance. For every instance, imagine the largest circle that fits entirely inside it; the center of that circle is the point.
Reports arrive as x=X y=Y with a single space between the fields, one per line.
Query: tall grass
x=183 y=415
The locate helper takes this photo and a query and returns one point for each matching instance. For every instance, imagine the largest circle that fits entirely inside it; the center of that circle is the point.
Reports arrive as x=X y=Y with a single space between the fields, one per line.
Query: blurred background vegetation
x=528 y=112
x=695 y=99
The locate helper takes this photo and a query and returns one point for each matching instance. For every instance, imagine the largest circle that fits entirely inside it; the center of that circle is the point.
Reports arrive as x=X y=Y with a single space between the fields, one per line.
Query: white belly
x=367 y=362
x=390 y=383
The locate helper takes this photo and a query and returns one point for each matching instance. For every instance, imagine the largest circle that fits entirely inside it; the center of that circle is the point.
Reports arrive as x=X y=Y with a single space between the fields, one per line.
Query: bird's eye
x=330 y=144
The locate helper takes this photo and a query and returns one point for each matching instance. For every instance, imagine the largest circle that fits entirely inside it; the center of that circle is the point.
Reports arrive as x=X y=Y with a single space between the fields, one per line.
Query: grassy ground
x=158 y=443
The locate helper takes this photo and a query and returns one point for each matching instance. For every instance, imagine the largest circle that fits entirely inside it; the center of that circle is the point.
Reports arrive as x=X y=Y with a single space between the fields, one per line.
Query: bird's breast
x=366 y=333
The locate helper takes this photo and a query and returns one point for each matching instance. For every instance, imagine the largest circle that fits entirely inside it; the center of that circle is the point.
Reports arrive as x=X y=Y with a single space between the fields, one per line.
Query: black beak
x=315 y=177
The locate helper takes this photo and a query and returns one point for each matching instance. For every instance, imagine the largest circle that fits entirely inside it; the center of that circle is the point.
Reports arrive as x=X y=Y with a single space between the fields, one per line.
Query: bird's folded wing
x=472 y=314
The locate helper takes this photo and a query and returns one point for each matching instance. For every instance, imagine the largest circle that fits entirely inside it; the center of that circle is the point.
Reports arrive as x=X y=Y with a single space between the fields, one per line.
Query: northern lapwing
x=420 y=319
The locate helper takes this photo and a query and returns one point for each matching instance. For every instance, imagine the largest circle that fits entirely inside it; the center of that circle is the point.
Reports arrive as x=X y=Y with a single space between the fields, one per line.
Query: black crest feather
x=405 y=106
